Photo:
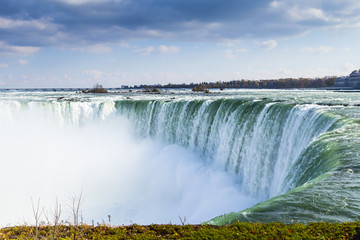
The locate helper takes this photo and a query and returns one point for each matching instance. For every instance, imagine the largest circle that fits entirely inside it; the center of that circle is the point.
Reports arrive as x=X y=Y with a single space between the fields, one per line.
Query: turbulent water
x=221 y=157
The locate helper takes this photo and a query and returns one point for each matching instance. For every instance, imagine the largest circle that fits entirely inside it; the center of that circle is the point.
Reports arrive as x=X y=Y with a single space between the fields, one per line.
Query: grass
x=239 y=230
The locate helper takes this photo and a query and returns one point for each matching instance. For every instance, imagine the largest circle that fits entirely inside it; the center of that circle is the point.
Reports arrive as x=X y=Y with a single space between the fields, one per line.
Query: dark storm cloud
x=77 y=22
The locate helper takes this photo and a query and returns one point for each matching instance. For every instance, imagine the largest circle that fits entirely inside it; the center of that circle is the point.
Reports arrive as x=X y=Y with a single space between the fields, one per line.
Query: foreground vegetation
x=234 y=231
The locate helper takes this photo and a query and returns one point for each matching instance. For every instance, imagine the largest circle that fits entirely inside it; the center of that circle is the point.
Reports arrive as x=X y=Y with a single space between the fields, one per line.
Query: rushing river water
x=248 y=155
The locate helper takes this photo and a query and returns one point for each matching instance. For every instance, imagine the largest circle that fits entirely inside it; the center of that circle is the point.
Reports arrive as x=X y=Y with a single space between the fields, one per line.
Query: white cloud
x=226 y=43
x=321 y=71
x=168 y=49
x=242 y=50
x=145 y=51
x=93 y=73
x=287 y=73
x=275 y=4
x=268 y=45
x=25 y=50
x=23 y=62
x=296 y=12
x=39 y=24
x=97 y=48
x=299 y=14
x=4 y=65
x=321 y=49
x=229 y=54
x=9 y=23
x=161 y=49
x=79 y=2
x=349 y=67
x=315 y=13
x=125 y=45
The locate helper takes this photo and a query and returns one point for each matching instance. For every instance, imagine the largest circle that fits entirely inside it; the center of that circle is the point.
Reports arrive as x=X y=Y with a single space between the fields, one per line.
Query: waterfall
x=259 y=141
x=243 y=151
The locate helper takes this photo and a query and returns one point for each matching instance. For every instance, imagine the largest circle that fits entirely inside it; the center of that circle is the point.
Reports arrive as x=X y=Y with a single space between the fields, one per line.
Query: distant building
x=352 y=81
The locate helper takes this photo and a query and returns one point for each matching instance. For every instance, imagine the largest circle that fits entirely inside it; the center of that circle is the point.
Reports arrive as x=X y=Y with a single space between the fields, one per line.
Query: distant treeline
x=267 y=84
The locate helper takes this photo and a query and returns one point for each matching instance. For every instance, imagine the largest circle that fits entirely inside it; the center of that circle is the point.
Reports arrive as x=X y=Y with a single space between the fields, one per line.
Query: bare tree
x=182 y=220
x=37 y=212
x=109 y=217
x=56 y=214
x=75 y=208
x=76 y=202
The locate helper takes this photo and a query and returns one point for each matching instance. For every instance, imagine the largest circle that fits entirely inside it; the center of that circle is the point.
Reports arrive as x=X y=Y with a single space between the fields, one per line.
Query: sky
x=78 y=43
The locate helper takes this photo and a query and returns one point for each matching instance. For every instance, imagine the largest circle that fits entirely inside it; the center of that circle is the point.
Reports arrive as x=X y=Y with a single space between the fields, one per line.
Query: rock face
x=352 y=81
x=152 y=90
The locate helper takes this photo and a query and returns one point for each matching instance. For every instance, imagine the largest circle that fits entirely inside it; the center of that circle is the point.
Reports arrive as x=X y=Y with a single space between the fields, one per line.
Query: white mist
x=131 y=179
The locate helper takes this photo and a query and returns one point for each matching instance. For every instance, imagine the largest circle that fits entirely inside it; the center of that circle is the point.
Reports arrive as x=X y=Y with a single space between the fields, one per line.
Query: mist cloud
x=54 y=154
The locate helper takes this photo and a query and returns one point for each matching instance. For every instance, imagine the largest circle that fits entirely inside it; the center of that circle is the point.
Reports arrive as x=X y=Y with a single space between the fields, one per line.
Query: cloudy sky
x=77 y=43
